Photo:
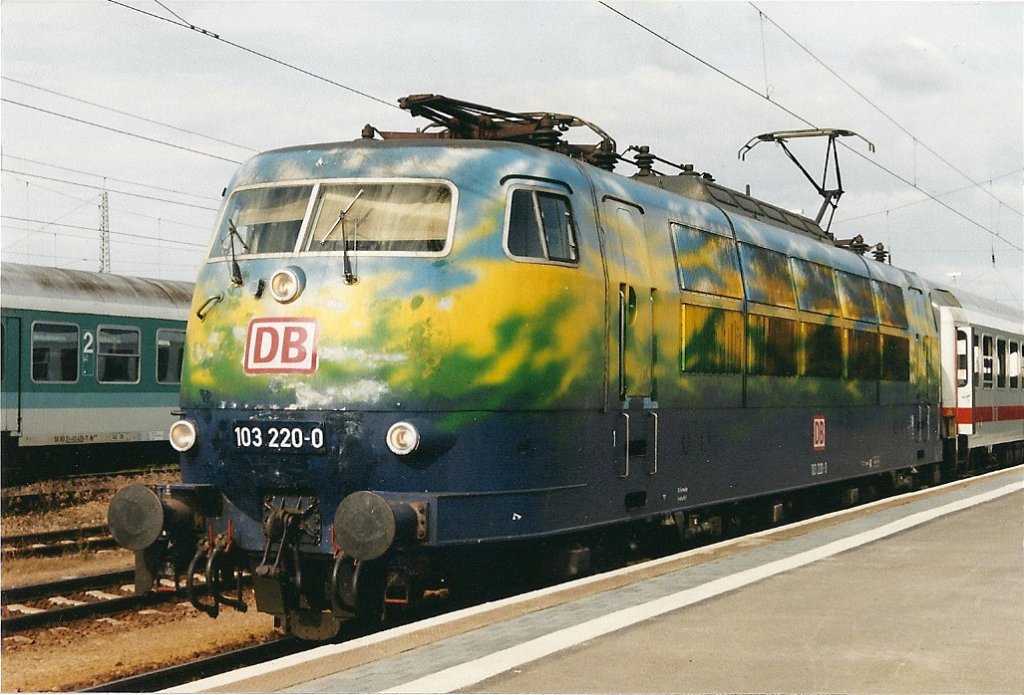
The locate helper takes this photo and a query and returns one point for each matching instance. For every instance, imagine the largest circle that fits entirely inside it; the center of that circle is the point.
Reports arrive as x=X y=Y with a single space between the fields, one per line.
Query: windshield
x=381 y=217
x=267 y=219
x=361 y=216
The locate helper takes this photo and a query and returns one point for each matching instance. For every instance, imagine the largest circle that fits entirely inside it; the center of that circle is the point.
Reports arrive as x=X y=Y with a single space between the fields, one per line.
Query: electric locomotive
x=410 y=347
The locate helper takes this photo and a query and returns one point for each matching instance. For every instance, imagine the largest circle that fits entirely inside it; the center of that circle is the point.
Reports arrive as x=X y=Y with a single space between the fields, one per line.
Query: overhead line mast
x=104 y=233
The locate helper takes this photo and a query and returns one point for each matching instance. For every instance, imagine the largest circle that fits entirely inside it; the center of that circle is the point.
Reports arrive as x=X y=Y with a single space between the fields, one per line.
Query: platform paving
x=918 y=596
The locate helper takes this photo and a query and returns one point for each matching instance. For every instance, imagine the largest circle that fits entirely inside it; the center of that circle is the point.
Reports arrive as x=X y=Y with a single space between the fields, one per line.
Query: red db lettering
x=294 y=350
x=264 y=344
x=281 y=346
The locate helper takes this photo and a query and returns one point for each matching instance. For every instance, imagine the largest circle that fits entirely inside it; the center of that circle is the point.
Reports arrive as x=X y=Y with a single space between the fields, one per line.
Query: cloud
x=910 y=63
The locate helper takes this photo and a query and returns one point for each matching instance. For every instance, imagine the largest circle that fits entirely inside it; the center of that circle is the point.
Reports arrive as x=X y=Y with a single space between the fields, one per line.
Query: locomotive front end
x=338 y=351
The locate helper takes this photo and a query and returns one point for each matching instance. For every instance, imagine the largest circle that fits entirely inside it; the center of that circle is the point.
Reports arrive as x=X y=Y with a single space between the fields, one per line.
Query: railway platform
x=923 y=593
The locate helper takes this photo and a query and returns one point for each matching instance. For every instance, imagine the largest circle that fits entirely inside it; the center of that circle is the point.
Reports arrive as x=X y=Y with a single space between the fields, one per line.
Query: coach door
x=10 y=376
x=968 y=368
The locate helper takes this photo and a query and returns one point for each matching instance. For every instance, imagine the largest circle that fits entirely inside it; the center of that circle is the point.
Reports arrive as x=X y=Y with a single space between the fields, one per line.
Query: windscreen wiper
x=350 y=279
x=236 y=272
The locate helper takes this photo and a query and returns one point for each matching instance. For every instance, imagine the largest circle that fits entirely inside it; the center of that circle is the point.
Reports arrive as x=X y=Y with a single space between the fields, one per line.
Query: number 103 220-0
x=279 y=437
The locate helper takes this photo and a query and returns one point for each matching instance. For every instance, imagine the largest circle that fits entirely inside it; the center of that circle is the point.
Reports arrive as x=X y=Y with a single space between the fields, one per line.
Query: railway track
x=85 y=487
x=50 y=543
x=180 y=674
x=51 y=603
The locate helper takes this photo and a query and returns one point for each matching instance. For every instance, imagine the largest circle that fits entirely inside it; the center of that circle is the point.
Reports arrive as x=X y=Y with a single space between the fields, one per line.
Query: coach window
x=55 y=353
x=987 y=361
x=170 y=348
x=976 y=359
x=706 y=262
x=1013 y=365
x=961 y=359
x=117 y=355
x=1001 y=363
x=540 y=226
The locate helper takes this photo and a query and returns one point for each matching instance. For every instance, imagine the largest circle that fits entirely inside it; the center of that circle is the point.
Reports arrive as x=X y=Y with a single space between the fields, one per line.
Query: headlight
x=403 y=438
x=287 y=284
x=182 y=435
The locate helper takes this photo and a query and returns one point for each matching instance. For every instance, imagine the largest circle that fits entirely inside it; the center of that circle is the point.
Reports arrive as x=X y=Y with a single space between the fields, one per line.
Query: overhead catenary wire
x=107 y=188
x=790 y=112
x=92 y=200
x=926 y=199
x=129 y=114
x=117 y=130
x=879 y=109
x=45 y=224
x=179 y=22
x=108 y=178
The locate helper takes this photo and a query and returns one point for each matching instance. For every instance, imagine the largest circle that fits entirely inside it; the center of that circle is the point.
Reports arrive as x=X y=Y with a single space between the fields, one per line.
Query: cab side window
x=541 y=226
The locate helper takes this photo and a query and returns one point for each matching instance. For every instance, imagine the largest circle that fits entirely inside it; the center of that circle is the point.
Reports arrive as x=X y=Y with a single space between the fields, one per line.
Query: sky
x=123 y=97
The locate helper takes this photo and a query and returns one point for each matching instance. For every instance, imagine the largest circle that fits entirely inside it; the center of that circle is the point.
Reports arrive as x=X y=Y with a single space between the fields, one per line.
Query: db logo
x=281 y=346
x=818 y=436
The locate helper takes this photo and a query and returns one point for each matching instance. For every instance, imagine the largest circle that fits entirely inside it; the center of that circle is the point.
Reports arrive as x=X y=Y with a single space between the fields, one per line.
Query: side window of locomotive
x=892 y=307
x=170 y=349
x=823 y=349
x=390 y=217
x=712 y=340
x=771 y=347
x=541 y=226
x=117 y=355
x=856 y=297
x=767 y=276
x=895 y=358
x=55 y=352
x=815 y=288
x=261 y=220
x=706 y=262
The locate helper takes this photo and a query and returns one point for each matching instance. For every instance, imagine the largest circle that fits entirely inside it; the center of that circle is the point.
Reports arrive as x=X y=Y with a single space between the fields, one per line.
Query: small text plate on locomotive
x=293 y=437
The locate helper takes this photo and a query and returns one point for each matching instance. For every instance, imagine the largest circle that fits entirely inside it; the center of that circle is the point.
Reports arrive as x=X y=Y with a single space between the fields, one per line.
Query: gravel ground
x=85 y=653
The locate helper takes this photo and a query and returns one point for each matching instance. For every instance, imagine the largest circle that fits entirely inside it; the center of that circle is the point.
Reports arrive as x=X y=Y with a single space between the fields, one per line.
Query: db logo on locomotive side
x=818 y=433
x=281 y=346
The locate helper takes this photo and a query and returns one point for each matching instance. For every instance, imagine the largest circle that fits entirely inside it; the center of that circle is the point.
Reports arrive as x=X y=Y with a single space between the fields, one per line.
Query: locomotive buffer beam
x=162 y=527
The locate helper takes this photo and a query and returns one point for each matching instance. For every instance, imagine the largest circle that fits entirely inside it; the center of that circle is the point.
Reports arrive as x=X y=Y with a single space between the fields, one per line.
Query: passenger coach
x=91 y=365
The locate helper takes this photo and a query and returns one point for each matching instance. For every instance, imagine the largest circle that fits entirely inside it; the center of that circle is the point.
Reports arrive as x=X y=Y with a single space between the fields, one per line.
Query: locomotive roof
x=694 y=185
x=78 y=291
